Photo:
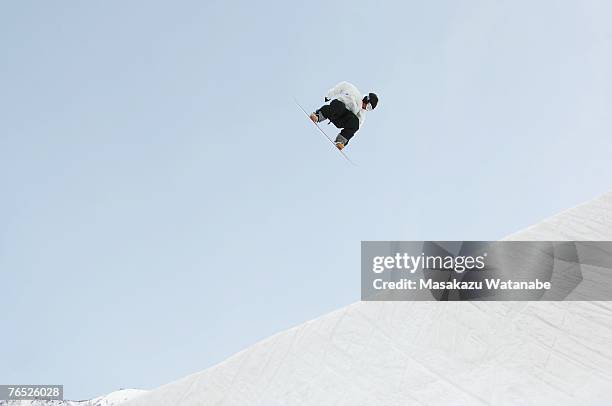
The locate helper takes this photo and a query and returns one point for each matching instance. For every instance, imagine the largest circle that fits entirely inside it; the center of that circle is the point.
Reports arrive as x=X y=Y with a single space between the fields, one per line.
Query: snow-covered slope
x=428 y=353
x=591 y=221
x=112 y=399
x=116 y=398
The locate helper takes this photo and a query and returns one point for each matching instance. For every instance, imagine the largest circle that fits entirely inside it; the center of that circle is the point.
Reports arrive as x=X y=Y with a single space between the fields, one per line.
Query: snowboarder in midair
x=346 y=110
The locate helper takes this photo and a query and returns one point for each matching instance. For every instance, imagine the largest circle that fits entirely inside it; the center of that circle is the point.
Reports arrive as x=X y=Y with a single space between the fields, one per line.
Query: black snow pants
x=341 y=117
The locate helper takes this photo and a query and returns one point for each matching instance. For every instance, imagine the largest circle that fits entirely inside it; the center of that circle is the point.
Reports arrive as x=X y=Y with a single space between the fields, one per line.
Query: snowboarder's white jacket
x=348 y=94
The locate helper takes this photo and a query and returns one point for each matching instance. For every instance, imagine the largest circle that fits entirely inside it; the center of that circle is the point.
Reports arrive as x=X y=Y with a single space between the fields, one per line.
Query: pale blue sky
x=165 y=204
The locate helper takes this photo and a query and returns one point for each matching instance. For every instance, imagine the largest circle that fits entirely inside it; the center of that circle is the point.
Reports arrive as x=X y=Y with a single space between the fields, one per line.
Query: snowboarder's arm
x=337 y=90
x=361 y=117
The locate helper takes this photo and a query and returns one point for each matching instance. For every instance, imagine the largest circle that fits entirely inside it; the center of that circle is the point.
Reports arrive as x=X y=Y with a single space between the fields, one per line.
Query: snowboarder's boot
x=340 y=142
x=317 y=117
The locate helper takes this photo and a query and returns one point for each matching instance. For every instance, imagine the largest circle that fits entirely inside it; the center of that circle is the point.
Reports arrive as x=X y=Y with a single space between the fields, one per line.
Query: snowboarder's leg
x=330 y=111
x=351 y=125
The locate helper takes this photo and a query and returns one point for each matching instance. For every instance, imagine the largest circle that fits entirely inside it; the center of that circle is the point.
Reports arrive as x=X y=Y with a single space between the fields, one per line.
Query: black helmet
x=372 y=99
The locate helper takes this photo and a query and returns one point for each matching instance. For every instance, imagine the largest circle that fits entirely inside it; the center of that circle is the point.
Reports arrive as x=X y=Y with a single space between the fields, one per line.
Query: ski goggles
x=369 y=107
